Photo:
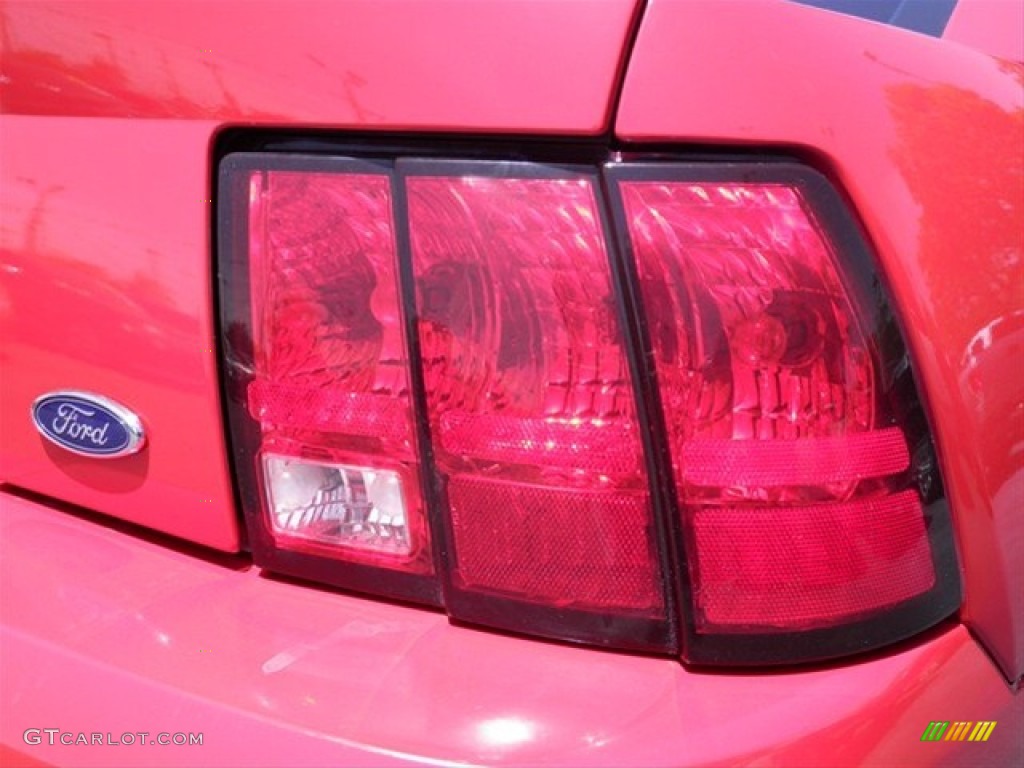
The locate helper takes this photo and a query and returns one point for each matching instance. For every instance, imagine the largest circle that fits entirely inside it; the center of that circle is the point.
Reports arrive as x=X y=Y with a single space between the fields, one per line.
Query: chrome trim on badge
x=87 y=424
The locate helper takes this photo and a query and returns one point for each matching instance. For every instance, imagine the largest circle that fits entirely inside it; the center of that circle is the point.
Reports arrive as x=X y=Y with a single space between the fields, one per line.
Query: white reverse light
x=337 y=504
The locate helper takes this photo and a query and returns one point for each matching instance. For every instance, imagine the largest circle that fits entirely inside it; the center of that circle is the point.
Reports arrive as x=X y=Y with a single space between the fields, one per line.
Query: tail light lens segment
x=659 y=406
x=530 y=401
x=325 y=380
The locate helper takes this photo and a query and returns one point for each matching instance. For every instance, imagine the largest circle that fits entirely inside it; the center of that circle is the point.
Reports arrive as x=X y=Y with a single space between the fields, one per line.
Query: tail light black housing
x=651 y=403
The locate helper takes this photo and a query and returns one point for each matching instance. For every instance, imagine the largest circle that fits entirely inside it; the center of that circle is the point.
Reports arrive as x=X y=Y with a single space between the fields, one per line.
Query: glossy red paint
x=106 y=227
x=109 y=111
x=106 y=287
x=509 y=66
x=993 y=26
x=277 y=673
x=927 y=138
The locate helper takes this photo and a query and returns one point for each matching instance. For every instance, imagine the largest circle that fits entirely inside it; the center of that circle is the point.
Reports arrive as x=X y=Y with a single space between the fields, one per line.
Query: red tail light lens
x=792 y=467
x=327 y=388
x=529 y=395
x=806 y=462
x=801 y=567
x=658 y=406
x=760 y=354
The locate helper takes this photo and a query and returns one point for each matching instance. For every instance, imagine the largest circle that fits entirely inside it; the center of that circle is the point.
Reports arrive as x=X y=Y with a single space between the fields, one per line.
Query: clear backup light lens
x=790 y=448
x=531 y=403
x=335 y=505
x=319 y=376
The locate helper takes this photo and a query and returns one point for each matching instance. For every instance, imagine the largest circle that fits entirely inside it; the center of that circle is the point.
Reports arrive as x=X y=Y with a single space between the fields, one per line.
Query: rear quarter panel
x=927 y=138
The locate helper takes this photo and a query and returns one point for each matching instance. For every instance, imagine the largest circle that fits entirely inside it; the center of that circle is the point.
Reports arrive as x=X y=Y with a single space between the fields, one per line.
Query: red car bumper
x=176 y=642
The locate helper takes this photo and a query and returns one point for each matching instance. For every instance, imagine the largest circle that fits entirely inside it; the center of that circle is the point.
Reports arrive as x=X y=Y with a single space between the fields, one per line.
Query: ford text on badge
x=87 y=424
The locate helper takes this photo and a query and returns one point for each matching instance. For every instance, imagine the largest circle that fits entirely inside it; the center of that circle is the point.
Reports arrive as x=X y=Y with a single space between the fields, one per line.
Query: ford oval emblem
x=87 y=424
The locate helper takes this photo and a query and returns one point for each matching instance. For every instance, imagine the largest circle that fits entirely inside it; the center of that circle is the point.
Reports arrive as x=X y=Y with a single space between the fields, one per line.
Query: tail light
x=657 y=406
x=802 y=470
x=323 y=378
x=531 y=403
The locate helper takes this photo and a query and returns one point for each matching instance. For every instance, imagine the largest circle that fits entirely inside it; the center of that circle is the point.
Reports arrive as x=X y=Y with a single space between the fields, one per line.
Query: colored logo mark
x=958 y=731
x=88 y=424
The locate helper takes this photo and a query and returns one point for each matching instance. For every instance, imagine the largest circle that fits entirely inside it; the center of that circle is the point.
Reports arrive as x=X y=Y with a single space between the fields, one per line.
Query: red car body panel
x=992 y=26
x=106 y=259
x=442 y=65
x=110 y=113
x=928 y=141
x=281 y=674
x=113 y=215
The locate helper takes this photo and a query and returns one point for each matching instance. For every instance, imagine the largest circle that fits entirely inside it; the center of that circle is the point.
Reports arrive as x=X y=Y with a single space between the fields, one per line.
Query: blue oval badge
x=87 y=424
